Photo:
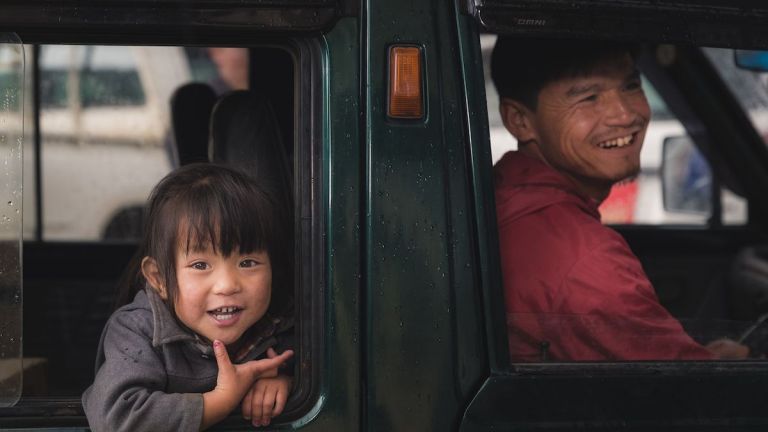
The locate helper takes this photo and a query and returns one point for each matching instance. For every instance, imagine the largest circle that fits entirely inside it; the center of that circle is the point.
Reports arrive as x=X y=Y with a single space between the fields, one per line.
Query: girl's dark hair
x=218 y=206
x=520 y=68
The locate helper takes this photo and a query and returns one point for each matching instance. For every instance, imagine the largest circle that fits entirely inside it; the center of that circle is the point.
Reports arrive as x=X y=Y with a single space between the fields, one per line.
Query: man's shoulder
x=565 y=220
x=516 y=168
x=526 y=187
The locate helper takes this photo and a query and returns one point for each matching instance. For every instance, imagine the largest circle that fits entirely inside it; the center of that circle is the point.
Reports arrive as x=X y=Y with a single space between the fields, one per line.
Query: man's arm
x=614 y=313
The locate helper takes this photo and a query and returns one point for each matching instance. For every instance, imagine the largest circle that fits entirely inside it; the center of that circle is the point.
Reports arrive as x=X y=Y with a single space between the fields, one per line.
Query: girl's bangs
x=226 y=222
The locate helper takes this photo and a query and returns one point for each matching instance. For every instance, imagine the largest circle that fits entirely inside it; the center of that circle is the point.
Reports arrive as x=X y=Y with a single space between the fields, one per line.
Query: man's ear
x=151 y=273
x=518 y=119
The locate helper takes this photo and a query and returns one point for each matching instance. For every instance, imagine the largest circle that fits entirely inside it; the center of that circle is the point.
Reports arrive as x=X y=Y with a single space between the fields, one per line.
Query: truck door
x=423 y=353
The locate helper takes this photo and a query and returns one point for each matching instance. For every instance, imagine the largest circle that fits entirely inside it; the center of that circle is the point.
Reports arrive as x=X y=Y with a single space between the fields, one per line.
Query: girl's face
x=219 y=297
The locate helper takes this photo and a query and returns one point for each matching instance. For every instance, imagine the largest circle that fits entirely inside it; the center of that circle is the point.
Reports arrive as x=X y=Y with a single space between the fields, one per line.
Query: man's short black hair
x=520 y=68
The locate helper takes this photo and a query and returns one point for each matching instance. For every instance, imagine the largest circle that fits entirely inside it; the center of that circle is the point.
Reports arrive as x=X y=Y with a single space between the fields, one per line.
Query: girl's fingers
x=263 y=368
x=268 y=406
x=257 y=403
x=268 y=366
x=285 y=355
x=280 y=399
x=246 y=405
x=271 y=373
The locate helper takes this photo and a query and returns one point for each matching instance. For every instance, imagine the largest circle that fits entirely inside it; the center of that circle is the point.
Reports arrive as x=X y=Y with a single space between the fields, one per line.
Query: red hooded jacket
x=573 y=288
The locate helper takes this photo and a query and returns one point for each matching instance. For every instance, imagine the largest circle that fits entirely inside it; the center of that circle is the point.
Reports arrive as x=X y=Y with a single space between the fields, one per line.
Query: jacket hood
x=525 y=185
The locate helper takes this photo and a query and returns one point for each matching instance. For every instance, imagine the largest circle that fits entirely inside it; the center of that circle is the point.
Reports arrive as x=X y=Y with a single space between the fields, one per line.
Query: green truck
x=397 y=281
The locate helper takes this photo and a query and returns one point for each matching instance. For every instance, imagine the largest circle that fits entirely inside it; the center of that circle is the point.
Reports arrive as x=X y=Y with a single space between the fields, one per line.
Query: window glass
x=106 y=134
x=109 y=77
x=751 y=90
x=100 y=75
x=30 y=183
x=11 y=122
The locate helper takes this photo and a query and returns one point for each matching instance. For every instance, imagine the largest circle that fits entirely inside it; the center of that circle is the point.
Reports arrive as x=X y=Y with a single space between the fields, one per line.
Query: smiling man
x=573 y=288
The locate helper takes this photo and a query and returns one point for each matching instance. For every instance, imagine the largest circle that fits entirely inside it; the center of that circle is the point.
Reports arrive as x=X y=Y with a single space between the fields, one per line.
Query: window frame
x=309 y=225
x=632 y=395
x=696 y=396
x=704 y=129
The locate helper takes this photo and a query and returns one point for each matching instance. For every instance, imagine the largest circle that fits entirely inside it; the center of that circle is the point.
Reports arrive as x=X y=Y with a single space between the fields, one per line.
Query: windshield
x=749 y=87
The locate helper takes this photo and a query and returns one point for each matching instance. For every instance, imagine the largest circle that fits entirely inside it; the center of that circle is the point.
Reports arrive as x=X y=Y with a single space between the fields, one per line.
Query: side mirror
x=752 y=60
x=686 y=178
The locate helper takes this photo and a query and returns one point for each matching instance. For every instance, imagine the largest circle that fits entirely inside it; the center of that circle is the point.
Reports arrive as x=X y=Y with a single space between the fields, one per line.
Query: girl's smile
x=220 y=297
x=226 y=315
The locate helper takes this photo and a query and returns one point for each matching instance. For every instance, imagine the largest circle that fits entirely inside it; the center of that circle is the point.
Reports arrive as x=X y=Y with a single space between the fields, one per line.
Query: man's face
x=591 y=128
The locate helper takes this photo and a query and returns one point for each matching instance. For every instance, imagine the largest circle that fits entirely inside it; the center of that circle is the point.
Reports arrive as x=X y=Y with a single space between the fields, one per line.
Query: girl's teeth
x=224 y=313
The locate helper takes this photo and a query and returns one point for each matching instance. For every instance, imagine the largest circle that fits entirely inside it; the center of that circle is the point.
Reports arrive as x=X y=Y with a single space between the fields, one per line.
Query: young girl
x=213 y=249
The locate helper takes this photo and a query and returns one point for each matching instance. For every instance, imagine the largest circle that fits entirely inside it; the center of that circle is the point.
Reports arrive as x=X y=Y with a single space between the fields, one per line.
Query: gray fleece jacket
x=151 y=372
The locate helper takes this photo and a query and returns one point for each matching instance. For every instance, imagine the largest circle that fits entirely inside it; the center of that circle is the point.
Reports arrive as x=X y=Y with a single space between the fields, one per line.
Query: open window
x=688 y=177
x=104 y=124
x=709 y=140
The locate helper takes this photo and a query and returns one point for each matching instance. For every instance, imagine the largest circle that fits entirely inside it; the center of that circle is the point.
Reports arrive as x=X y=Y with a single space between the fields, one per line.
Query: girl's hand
x=270 y=373
x=233 y=382
x=266 y=399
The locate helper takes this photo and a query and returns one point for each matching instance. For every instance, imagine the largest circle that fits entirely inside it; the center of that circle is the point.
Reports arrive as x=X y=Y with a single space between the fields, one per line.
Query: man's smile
x=618 y=142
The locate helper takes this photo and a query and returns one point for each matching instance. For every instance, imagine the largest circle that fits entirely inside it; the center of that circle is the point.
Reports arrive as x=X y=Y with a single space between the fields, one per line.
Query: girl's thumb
x=222 y=358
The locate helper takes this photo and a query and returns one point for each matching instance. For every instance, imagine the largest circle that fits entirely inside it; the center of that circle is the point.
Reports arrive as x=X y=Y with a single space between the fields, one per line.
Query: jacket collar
x=166 y=327
x=527 y=185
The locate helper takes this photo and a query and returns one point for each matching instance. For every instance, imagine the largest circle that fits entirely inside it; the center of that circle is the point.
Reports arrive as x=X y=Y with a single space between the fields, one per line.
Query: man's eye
x=634 y=85
x=249 y=263
x=200 y=266
x=590 y=98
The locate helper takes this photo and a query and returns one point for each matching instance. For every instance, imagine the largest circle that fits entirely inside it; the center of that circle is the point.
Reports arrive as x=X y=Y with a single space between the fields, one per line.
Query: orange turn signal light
x=405 y=89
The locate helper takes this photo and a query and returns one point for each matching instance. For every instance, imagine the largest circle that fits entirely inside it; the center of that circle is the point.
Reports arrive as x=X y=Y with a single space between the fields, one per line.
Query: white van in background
x=105 y=137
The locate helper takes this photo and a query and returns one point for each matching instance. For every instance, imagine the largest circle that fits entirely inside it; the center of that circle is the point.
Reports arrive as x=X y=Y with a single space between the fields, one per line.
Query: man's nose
x=227 y=282
x=620 y=109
